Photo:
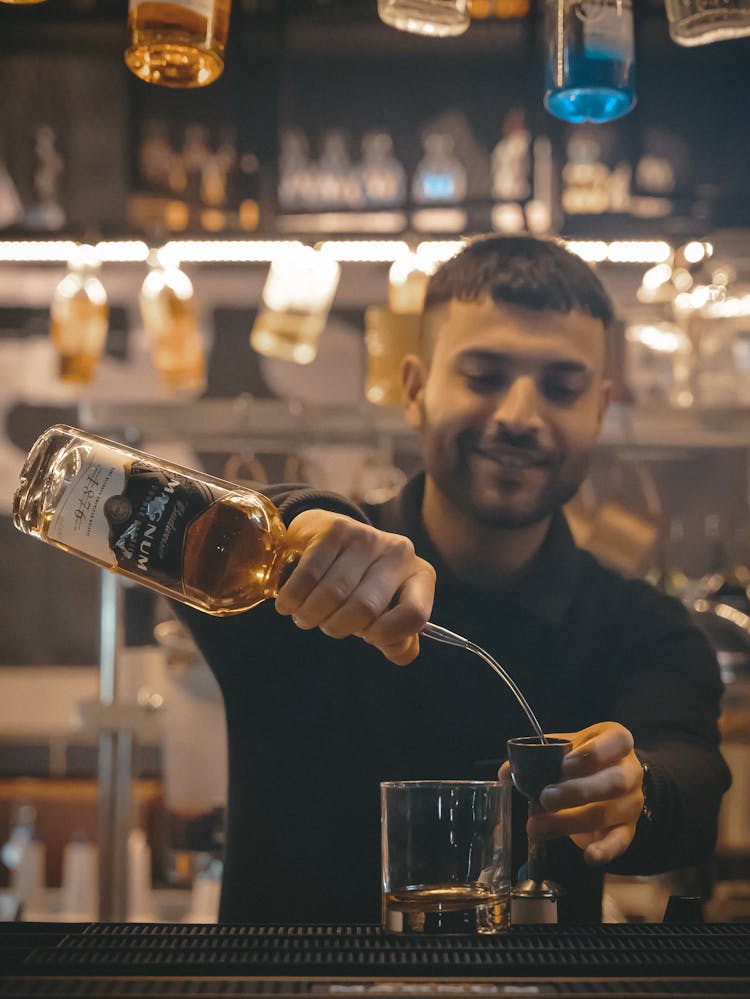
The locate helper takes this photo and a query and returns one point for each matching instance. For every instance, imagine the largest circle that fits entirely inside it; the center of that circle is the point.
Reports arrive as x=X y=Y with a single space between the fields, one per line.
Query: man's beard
x=446 y=462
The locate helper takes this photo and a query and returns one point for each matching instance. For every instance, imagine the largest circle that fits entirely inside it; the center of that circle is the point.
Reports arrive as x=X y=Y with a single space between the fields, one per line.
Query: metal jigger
x=533 y=765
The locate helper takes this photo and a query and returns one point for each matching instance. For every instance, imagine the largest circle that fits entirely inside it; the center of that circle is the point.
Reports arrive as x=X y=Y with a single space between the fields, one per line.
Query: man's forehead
x=486 y=325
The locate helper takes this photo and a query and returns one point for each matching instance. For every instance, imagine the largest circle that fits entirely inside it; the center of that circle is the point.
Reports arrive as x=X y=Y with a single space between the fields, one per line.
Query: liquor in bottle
x=189 y=536
x=179 y=43
x=448 y=908
x=297 y=298
x=170 y=320
x=79 y=317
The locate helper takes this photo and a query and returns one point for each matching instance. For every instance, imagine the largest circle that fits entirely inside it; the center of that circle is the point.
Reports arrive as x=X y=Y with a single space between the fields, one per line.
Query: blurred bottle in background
x=590 y=62
x=698 y=22
x=388 y=337
x=177 y=44
x=383 y=176
x=79 y=317
x=438 y=18
x=297 y=298
x=169 y=318
x=25 y=857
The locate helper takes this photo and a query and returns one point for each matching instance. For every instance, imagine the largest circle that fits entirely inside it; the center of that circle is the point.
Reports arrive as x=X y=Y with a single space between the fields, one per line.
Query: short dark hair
x=520 y=270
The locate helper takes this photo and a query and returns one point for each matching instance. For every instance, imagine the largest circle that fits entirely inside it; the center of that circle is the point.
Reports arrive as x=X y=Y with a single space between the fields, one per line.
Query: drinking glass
x=446 y=856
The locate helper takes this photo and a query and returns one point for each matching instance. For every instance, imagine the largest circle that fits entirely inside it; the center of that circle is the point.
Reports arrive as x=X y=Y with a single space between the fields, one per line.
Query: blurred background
x=344 y=158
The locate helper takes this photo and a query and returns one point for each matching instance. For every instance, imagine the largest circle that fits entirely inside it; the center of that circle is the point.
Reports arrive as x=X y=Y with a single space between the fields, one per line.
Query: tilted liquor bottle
x=190 y=536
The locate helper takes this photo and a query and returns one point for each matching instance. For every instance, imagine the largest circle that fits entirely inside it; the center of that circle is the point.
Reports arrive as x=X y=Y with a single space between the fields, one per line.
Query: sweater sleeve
x=215 y=635
x=670 y=701
x=292 y=498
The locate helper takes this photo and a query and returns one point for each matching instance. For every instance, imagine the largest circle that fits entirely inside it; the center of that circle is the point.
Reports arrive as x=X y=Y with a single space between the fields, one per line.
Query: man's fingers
x=402 y=653
x=612 y=782
x=586 y=818
x=368 y=601
x=611 y=845
x=339 y=587
x=408 y=616
x=313 y=564
x=595 y=748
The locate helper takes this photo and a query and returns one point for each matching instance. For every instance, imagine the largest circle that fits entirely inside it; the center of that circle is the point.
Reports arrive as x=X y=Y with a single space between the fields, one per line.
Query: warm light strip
x=231 y=251
x=345 y=251
x=364 y=251
x=131 y=251
x=436 y=251
x=622 y=251
x=36 y=251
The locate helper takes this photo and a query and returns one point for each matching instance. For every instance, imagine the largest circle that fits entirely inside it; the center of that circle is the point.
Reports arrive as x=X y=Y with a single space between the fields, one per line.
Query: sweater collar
x=545 y=587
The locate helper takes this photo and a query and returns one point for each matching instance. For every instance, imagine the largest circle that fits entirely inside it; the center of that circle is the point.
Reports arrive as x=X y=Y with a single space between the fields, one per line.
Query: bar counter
x=150 y=959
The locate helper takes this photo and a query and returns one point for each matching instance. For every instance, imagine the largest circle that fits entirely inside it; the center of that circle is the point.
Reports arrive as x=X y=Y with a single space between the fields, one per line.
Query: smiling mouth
x=514 y=459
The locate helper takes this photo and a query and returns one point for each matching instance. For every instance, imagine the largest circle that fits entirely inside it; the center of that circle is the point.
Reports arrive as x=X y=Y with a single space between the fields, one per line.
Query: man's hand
x=352 y=579
x=598 y=800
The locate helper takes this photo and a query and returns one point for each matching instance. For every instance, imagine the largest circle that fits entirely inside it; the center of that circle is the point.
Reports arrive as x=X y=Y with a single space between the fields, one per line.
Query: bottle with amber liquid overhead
x=190 y=536
x=79 y=317
x=177 y=43
x=169 y=318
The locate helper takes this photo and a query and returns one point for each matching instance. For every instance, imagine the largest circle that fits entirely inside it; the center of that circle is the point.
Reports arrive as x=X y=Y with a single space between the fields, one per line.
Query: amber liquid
x=175 y=46
x=79 y=330
x=451 y=908
x=290 y=335
x=178 y=357
x=232 y=558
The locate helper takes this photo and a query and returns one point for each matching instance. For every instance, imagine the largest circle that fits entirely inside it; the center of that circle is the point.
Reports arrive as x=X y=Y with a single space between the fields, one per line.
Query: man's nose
x=518 y=410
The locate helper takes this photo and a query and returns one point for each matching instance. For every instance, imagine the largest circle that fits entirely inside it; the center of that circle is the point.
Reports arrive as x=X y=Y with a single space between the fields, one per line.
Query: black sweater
x=314 y=723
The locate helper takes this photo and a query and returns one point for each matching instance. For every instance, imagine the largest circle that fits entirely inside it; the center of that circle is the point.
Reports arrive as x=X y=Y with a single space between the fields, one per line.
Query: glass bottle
x=440 y=176
x=383 y=176
x=590 y=61
x=79 y=317
x=169 y=318
x=190 y=536
x=436 y=18
x=179 y=43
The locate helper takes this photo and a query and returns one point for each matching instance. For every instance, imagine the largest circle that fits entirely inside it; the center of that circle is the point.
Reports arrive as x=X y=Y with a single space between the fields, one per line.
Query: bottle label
x=607 y=28
x=131 y=514
x=205 y=8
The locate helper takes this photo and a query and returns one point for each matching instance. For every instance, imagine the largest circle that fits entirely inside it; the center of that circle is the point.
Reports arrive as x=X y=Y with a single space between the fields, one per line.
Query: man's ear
x=413 y=378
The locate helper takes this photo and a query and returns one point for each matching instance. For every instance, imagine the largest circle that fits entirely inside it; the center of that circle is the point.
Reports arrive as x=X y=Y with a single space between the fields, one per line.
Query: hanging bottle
x=79 y=317
x=169 y=318
x=179 y=43
x=590 y=62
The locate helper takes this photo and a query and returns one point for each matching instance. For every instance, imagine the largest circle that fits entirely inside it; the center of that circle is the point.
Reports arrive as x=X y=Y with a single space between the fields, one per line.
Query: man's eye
x=562 y=391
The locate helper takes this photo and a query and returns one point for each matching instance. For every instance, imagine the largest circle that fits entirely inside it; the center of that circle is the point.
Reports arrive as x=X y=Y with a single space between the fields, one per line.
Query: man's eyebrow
x=565 y=366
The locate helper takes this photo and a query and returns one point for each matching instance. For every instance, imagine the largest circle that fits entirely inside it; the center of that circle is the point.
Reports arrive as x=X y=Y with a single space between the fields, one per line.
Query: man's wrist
x=647 y=790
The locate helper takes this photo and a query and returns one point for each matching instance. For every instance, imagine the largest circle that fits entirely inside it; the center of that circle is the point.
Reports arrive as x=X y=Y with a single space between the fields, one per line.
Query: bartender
x=328 y=690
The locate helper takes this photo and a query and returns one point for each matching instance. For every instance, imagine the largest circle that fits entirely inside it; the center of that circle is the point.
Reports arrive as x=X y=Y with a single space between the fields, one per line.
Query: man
x=508 y=394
